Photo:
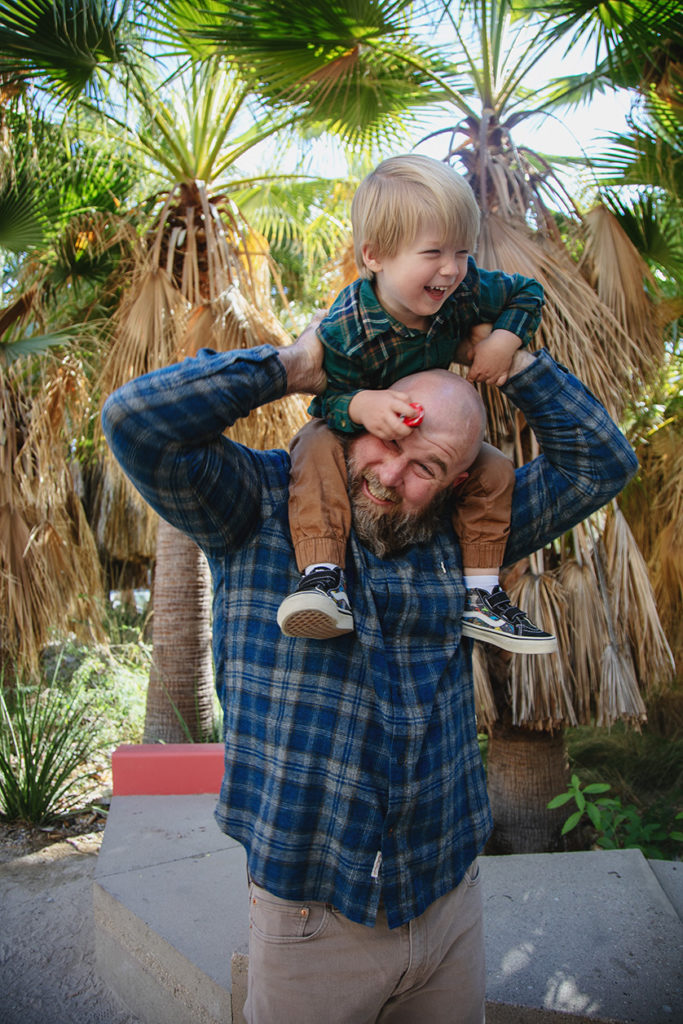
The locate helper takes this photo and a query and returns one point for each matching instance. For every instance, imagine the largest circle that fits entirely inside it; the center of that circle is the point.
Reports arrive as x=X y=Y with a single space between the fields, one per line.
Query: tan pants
x=308 y=964
x=320 y=514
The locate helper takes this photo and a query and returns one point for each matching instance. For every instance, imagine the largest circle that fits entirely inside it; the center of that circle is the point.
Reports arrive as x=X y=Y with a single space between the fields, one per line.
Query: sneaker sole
x=514 y=644
x=309 y=616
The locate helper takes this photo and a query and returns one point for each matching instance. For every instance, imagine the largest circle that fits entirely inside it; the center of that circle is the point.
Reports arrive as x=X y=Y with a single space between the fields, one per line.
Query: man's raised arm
x=166 y=430
x=585 y=460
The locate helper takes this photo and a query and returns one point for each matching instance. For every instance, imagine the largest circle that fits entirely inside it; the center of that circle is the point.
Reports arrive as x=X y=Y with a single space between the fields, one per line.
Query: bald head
x=454 y=418
x=400 y=488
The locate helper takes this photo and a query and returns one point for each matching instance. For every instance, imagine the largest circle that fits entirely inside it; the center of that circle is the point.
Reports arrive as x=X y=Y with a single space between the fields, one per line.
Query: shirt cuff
x=544 y=376
x=519 y=322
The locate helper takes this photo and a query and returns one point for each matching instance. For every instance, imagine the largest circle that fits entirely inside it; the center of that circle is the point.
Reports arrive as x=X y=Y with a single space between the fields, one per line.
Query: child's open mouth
x=435 y=293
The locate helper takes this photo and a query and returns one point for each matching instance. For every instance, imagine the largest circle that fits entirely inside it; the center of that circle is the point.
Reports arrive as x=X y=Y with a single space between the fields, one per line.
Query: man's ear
x=371 y=258
x=459 y=479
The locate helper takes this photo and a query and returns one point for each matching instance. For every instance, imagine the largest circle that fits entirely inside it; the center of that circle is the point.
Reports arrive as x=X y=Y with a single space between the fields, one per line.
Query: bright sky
x=576 y=132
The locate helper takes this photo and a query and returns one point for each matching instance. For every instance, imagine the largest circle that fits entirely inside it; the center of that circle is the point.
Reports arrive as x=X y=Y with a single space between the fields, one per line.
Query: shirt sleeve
x=510 y=302
x=166 y=431
x=585 y=460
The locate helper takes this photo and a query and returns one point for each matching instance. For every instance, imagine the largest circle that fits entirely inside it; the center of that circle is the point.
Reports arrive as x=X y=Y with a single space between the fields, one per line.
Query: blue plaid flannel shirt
x=352 y=766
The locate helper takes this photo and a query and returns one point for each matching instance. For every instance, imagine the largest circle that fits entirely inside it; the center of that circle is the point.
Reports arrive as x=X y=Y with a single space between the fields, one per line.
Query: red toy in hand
x=416 y=420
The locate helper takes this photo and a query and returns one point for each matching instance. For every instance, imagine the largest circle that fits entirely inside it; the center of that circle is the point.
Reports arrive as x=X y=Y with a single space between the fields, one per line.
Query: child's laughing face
x=413 y=284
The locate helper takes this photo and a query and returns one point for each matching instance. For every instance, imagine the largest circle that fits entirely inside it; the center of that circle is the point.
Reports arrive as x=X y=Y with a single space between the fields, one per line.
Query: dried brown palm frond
x=587 y=627
x=619 y=698
x=653 y=506
x=341 y=271
x=232 y=322
x=633 y=600
x=150 y=324
x=617 y=272
x=206 y=246
x=124 y=525
x=484 y=701
x=666 y=557
x=541 y=685
x=667 y=580
x=49 y=571
x=577 y=328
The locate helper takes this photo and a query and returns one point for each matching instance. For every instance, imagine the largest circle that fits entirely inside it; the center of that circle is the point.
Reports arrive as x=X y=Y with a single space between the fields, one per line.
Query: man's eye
x=425 y=472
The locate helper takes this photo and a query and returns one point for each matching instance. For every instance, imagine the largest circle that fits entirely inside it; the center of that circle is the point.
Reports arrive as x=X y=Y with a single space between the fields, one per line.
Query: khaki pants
x=308 y=964
x=320 y=515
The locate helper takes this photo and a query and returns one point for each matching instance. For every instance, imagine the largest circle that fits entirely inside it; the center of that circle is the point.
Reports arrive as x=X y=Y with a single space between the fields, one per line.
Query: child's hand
x=380 y=413
x=492 y=357
x=464 y=353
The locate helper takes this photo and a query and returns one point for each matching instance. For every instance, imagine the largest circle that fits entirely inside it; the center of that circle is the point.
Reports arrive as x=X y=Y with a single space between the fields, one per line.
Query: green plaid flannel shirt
x=366 y=348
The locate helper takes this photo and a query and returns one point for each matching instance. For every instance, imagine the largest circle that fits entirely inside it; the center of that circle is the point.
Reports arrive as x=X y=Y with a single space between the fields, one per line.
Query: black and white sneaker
x=495 y=620
x=319 y=608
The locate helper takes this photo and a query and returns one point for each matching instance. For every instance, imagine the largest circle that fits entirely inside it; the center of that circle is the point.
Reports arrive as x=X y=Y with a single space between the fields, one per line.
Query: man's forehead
x=437 y=448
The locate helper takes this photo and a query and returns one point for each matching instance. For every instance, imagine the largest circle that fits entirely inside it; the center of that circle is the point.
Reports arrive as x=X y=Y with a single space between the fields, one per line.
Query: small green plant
x=618 y=826
x=46 y=740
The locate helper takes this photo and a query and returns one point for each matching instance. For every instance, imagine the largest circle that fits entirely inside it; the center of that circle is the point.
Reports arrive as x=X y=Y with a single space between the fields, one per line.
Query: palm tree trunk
x=180 y=694
x=526 y=768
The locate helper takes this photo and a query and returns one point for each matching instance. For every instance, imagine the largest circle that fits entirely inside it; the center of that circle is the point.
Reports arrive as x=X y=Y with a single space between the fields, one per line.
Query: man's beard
x=388 y=531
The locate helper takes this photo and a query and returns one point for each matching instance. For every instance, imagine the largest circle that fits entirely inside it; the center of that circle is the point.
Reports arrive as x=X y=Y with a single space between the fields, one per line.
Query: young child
x=418 y=298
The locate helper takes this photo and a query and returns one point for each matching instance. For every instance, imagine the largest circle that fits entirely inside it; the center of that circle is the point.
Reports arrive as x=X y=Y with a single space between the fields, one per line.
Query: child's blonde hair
x=392 y=203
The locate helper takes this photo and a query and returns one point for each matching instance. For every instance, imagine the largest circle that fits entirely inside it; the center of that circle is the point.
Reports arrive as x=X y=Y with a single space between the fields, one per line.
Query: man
x=352 y=769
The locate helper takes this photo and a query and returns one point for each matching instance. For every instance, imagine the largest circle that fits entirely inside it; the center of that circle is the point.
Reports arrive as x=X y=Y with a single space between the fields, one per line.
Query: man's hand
x=520 y=361
x=381 y=412
x=303 y=360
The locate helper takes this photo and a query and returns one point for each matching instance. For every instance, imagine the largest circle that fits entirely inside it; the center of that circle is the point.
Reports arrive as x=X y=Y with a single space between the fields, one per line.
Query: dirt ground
x=47 y=932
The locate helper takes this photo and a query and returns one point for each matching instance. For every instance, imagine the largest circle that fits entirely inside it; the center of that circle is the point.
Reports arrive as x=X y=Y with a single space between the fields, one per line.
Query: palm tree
x=639 y=173
x=199 y=275
x=50 y=570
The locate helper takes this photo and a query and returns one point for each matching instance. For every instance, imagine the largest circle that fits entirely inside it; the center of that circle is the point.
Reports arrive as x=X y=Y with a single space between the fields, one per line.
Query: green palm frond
x=199 y=124
x=653 y=225
x=37 y=343
x=64 y=45
x=352 y=67
x=573 y=90
x=284 y=42
x=629 y=35
x=310 y=214
x=23 y=215
x=641 y=158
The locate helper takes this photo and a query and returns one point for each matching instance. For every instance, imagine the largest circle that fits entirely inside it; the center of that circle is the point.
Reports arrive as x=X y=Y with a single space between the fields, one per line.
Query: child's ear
x=370 y=258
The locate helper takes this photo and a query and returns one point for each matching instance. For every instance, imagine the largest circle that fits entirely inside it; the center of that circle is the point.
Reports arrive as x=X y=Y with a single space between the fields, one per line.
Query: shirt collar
x=377 y=321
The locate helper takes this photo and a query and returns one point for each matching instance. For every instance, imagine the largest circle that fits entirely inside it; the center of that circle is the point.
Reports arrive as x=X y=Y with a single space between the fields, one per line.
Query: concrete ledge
x=576 y=938
x=153 y=769
x=152 y=976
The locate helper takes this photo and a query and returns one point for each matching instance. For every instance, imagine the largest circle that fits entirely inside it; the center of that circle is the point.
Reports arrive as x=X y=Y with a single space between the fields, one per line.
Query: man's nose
x=391 y=471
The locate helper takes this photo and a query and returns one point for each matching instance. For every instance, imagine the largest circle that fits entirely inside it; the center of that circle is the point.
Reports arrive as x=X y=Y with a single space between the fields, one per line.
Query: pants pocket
x=276 y=920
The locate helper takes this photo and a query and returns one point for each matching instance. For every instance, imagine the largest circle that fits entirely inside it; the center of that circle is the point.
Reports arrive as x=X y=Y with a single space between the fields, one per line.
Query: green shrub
x=46 y=739
x=620 y=826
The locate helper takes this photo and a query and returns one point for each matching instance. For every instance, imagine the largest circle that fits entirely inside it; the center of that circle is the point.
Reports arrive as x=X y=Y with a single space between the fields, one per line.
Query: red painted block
x=167 y=769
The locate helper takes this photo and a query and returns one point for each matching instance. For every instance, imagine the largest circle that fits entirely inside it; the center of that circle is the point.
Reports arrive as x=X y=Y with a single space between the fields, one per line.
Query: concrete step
x=576 y=937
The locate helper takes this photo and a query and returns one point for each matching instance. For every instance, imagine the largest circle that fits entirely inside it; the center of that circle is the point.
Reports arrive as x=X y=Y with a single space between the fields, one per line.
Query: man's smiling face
x=405 y=483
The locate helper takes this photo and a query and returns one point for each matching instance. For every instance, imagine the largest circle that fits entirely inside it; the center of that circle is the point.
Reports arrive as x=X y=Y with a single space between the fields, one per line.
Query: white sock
x=319 y=565
x=486 y=583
